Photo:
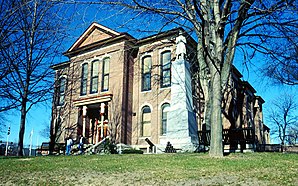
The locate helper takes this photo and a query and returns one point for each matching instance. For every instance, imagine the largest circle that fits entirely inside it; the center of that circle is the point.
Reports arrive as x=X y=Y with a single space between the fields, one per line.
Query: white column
x=84 y=120
x=102 y=111
x=96 y=128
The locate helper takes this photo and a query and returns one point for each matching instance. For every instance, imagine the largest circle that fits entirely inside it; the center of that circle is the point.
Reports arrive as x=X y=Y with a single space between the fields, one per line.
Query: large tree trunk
x=22 y=128
x=52 y=135
x=216 y=146
x=205 y=85
x=283 y=140
x=207 y=113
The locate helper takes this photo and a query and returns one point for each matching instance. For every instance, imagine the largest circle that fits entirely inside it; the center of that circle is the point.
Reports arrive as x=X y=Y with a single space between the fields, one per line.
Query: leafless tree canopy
x=284 y=119
x=30 y=40
x=283 y=67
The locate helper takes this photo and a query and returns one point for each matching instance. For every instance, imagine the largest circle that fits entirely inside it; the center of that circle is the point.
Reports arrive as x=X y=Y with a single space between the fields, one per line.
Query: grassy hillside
x=161 y=169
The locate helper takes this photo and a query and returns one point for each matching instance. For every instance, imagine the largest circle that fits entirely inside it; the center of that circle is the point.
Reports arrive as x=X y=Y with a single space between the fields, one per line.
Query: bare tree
x=292 y=138
x=31 y=45
x=283 y=68
x=45 y=132
x=7 y=14
x=283 y=117
x=3 y=126
x=220 y=27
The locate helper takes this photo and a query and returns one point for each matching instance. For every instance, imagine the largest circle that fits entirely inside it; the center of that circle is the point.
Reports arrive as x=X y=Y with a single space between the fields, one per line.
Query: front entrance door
x=96 y=122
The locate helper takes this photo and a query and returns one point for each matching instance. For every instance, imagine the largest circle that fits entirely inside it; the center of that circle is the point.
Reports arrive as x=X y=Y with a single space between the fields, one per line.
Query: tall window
x=146 y=73
x=94 y=77
x=164 y=115
x=105 y=74
x=146 y=121
x=166 y=69
x=62 y=86
x=249 y=110
x=84 y=78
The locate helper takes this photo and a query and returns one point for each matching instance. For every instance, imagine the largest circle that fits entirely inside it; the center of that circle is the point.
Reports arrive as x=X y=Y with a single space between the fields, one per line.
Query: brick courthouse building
x=133 y=89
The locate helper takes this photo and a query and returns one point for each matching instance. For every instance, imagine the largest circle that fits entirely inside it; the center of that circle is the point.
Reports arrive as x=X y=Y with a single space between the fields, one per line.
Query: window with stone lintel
x=105 y=74
x=84 y=78
x=146 y=122
x=165 y=69
x=62 y=87
x=94 y=77
x=146 y=73
x=164 y=115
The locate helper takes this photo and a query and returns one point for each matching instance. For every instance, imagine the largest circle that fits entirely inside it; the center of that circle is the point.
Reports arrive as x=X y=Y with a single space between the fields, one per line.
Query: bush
x=109 y=148
x=132 y=151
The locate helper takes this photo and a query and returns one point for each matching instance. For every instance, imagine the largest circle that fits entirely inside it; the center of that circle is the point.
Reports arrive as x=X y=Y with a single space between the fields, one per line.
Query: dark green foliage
x=109 y=147
x=132 y=151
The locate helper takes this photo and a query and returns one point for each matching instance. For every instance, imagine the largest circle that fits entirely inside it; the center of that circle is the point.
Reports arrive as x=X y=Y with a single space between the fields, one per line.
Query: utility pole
x=30 y=148
x=37 y=145
x=8 y=133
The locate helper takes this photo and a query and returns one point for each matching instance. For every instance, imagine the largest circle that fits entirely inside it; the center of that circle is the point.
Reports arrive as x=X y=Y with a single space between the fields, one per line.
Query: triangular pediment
x=94 y=33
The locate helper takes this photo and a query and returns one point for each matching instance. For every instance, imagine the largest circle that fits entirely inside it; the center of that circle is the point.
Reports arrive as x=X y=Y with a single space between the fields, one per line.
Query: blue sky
x=40 y=116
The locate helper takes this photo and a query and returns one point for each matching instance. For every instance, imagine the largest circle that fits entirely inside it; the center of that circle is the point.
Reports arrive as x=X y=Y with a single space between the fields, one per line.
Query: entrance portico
x=93 y=117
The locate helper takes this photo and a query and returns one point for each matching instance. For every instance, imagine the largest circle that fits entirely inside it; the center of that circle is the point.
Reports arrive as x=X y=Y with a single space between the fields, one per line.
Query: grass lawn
x=152 y=169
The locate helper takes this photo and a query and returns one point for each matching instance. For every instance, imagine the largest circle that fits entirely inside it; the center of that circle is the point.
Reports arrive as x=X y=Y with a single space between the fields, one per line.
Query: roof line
x=89 y=30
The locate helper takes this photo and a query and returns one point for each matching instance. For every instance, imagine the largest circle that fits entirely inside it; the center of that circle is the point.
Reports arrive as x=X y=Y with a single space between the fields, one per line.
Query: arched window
x=165 y=69
x=105 y=74
x=164 y=115
x=146 y=121
x=146 y=73
x=61 y=94
x=94 y=77
x=84 y=78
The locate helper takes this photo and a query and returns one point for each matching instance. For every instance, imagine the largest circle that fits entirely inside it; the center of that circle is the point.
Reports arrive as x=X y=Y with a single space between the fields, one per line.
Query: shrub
x=109 y=148
x=132 y=151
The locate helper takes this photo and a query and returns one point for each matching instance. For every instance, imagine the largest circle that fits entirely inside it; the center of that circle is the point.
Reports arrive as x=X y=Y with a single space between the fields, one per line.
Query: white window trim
x=164 y=50
x=102 y=58
x=165 y=88
x=141 y=120
x=105 y=56
x=88 y=77
x=60 y=77
x=160 y=115
x=163 y=102
x=159 y=62
x=140 y=68
x=143 y=105
x=63 y=76
x=91 y=60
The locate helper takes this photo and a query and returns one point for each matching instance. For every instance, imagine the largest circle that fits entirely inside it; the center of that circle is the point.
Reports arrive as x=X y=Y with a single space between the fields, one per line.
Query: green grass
x=162 y=169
